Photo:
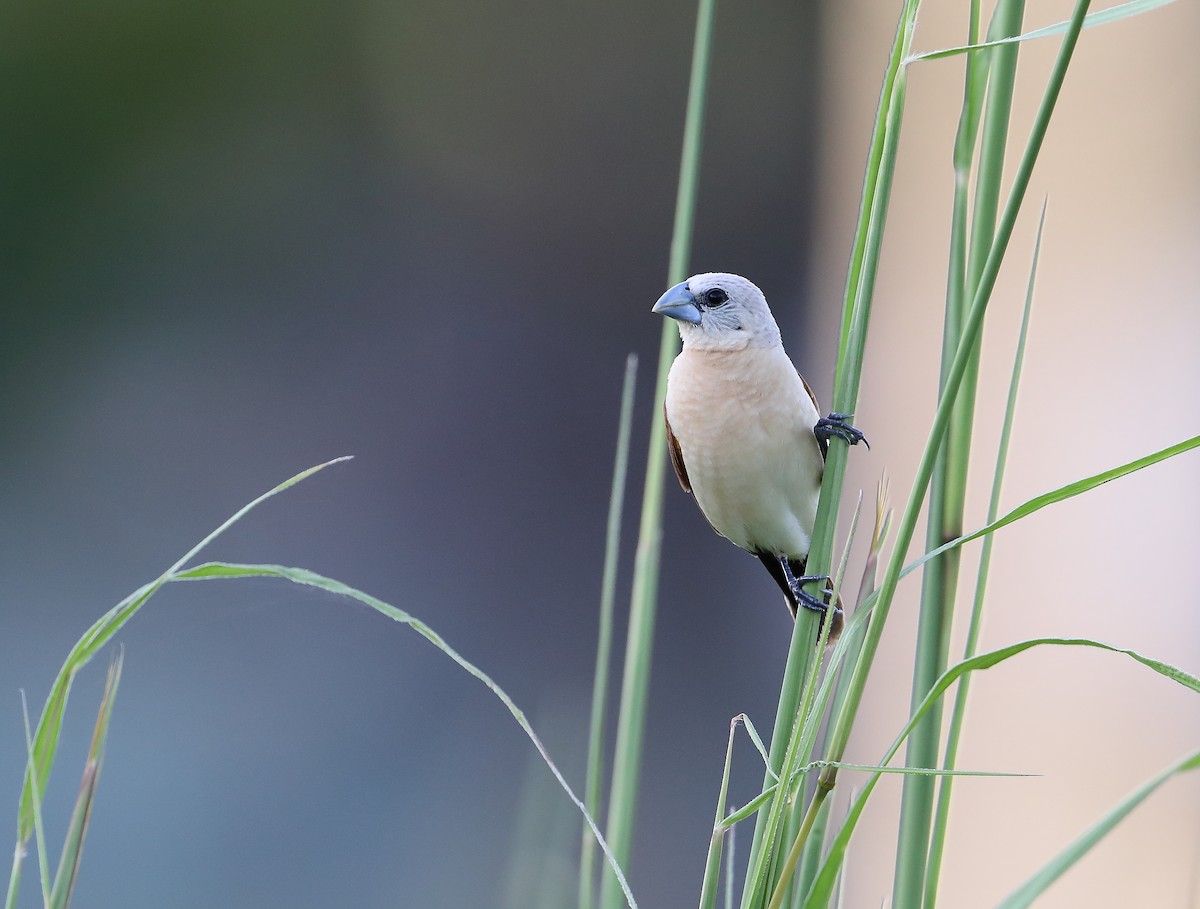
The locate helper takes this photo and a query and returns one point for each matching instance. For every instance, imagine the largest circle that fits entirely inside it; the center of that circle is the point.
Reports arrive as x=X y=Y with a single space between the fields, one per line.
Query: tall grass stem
x=947 y=496
x=631 y=719
x=959 y=711
x=608 y=585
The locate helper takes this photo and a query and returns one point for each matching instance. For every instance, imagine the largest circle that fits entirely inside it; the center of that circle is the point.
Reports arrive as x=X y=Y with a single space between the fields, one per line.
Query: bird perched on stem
x=744 y=432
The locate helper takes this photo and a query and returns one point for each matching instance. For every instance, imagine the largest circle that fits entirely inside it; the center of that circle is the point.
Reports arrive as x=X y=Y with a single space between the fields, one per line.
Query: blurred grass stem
x=631 y=720
x=612 y=547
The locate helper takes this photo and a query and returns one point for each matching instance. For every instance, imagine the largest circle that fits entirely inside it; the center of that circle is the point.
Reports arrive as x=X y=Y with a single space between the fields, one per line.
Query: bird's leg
x=837 y=424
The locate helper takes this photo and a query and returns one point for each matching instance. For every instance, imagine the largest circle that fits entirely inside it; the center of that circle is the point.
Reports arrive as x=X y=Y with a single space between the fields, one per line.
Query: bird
x=744 y=432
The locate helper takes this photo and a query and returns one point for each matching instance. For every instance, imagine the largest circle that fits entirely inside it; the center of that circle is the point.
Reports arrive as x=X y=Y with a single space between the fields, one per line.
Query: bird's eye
x=715 y=297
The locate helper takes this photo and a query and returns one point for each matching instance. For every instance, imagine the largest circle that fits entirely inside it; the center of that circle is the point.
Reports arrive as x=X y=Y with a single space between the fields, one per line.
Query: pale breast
x=744 y=424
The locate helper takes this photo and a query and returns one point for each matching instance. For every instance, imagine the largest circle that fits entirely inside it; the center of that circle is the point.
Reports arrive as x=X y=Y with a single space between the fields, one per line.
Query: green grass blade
x=45 y=742
x=810 y=861
x=948 y=489
x=612 y=545
x=757 y=740
x=748 y=810
x=1033 y=888
x=937 y=839
x=913 y=771
x=823 y=887
x=14 y=878
x=68 y=863
x=781 y=822
x=229 y=570
x=787 y=868
x=856 y=307
x=712 y=864
x=39 y=829
x=1100 y=17
x=1069 y=491
x=854 y=633
x=802 y=743
x=635 y=682
x=805 y=829
x=729 y=869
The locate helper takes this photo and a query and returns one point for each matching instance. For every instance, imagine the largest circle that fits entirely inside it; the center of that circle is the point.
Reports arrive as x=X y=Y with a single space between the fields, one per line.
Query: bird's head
x=720 y=312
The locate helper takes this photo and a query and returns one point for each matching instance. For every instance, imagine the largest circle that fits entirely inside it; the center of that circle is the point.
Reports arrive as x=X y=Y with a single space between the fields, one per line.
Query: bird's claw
x=813 y=602
x=810 y=600
x=819 y=604
x=837 y=424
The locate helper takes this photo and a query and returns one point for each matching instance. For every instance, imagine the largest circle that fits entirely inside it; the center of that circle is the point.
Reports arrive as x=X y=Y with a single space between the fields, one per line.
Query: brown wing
x=676 y=454
x=816 y=407
x=808 y=388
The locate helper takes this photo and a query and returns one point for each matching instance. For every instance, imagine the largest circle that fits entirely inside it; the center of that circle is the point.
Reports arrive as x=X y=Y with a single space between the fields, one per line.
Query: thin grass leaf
x=39 y=829
x=757 y=740
x=853 y=635
x=823 y=886
x=749 y=809
x=810 y=835
x=608 y=586
x=937 y=839
x=804 y=827
x=712 y=864
x=787 y=868
x=782 y=822
x=1025 y=895
x=635 y=682
x=810 y=860
x=68 y=863
x=14 y=877
x=46 y=739
x=918 y=771
x=729 y=855
x=228 y=570
x=1069 y=491
x=1100 y=17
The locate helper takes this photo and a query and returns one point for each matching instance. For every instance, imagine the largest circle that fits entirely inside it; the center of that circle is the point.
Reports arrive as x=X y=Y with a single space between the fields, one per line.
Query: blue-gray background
x=243 y=238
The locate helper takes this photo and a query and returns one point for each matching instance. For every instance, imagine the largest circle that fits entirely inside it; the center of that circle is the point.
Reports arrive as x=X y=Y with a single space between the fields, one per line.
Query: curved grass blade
x=1100 y=17
x=1069 y=491
x=1025 y=895
x=229 y=570
x=45 y=739
x=823 y=887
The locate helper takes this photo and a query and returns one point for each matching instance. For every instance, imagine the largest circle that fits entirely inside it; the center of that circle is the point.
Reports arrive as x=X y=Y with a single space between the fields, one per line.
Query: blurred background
x=240 y=238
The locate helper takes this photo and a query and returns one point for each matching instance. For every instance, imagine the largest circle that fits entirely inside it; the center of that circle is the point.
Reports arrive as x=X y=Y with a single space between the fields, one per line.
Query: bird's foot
x=812 y=602
x=837 y=424
x=819 y=604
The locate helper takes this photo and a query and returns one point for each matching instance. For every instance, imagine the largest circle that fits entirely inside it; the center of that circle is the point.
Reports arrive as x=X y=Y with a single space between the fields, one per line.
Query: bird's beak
x=678 y=303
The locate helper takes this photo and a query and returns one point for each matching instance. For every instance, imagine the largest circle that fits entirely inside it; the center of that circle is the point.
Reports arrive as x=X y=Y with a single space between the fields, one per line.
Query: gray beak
x=678 y=303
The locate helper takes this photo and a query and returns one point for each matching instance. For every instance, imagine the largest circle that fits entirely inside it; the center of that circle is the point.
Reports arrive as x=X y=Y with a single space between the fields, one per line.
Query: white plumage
x=744 y=423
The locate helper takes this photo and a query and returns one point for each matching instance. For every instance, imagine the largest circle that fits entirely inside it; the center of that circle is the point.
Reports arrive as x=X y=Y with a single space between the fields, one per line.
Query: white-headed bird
x=744 y=432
